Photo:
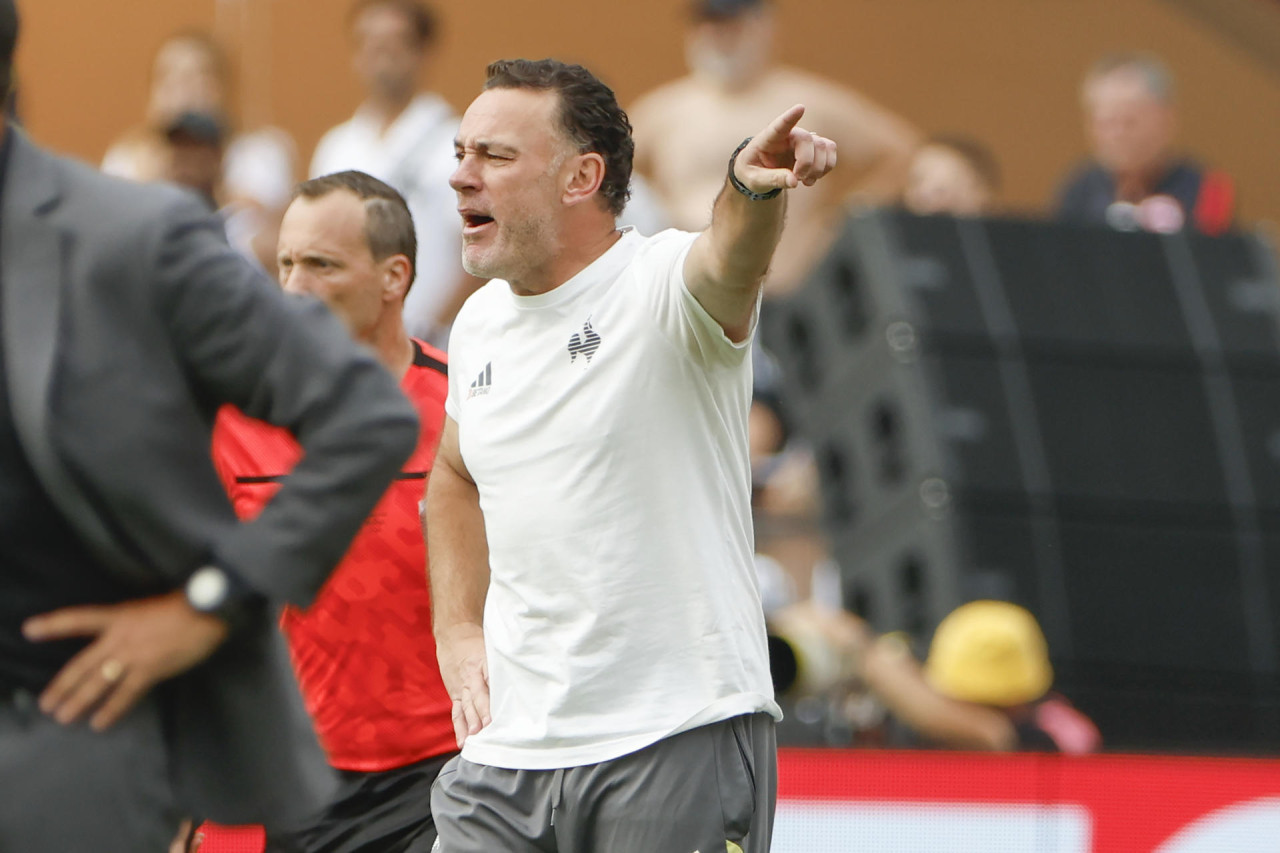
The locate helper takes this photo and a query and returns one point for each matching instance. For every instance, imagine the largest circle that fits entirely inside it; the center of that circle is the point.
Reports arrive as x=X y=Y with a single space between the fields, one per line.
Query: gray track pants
x=708 y=790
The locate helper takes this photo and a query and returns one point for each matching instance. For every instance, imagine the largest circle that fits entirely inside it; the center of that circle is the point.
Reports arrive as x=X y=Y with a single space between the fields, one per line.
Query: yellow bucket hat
x=991 y=652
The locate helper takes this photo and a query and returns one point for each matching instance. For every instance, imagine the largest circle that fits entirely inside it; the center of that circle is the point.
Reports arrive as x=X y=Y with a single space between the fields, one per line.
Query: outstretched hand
x=136 y=644
x=785 y=155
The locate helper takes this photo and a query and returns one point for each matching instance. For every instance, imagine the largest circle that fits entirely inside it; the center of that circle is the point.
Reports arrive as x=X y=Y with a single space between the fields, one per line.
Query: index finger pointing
x=780 y=128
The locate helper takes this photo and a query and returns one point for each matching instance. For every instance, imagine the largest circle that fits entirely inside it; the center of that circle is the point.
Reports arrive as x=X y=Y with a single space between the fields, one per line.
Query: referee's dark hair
x=388 y=225
x=589 y=116
x=8 y=43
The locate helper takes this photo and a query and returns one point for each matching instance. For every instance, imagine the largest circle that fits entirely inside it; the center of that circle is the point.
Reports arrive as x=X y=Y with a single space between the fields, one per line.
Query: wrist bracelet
x=739 y=186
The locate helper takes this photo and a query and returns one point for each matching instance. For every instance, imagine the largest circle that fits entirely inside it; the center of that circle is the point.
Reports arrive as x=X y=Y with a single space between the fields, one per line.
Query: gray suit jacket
x=127 y=323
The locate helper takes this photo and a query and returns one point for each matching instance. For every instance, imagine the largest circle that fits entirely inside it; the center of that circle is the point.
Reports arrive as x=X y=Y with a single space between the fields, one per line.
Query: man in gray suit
x=141 y=675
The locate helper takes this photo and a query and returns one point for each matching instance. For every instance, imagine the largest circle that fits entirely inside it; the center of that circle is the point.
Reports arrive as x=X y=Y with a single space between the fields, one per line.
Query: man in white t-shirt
x=594 y=598
x=404 y=137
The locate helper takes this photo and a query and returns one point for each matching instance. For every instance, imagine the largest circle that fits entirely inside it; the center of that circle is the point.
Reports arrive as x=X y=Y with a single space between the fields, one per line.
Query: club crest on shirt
x=584 y=343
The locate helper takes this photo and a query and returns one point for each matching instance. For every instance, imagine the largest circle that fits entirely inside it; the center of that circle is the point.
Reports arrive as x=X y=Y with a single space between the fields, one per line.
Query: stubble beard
x=516 y=250
x=524 y=244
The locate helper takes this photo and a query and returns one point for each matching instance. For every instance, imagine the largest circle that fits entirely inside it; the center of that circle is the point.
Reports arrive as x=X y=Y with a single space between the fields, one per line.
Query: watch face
x=1123 y=216
x=207 y=588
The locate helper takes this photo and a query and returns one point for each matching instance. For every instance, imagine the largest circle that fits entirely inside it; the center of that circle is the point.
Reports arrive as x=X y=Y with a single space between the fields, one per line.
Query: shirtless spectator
x=1136 y=179
x=734 y=87
x=951 y=175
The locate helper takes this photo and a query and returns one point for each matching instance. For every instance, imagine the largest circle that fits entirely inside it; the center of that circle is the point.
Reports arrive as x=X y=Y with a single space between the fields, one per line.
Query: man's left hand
x=136 y=645
x=784 y=155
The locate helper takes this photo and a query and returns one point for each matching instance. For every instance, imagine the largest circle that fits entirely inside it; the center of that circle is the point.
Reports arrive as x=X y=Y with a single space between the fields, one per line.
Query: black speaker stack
x=1080 y=420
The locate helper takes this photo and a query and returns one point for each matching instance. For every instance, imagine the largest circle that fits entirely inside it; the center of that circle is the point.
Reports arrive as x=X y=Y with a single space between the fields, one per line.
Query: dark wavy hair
x=589 y=115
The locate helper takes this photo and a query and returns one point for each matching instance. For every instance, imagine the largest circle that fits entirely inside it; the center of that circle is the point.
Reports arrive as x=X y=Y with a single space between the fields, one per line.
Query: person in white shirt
x=404 y=136
x=595 y=605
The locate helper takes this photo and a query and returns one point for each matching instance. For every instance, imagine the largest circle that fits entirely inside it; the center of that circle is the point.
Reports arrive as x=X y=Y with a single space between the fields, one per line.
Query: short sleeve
x=681 y=316
x=452 y=402
x=456 y=360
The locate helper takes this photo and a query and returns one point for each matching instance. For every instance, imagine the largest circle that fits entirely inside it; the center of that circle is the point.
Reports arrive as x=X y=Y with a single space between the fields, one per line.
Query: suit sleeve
x=288 y=361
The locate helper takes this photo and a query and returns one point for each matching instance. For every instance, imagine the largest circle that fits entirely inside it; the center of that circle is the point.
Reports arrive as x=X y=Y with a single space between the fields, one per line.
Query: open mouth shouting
x=474 y=223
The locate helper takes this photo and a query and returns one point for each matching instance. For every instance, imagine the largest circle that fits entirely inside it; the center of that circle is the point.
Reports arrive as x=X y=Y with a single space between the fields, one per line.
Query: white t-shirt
x=415 y=156
x=605 y=425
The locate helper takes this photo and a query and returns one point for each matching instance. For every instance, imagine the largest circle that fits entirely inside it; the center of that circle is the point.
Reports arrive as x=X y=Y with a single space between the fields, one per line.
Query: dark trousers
x=65 y=789
x=388 y=811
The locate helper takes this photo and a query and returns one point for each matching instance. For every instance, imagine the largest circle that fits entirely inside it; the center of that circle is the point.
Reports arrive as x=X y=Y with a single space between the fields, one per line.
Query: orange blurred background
x=1006 y=71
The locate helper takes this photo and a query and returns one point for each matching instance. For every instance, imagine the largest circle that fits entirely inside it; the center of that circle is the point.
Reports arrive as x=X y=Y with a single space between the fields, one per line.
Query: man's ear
x=585 y=177
x=397 y=275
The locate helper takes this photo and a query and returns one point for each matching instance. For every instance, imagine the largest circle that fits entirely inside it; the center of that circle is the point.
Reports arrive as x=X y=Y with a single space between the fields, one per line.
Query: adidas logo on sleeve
x=482 y=383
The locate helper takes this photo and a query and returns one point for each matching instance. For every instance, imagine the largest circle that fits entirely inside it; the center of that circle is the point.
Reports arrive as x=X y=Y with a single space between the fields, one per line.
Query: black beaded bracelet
x=739 y=186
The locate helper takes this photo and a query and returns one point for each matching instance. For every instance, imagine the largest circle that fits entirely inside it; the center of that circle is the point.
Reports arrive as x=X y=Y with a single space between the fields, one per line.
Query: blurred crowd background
x=1005 y=71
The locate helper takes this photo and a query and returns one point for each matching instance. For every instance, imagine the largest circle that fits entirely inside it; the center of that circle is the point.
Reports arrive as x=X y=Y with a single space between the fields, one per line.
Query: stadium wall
x=1004 y=70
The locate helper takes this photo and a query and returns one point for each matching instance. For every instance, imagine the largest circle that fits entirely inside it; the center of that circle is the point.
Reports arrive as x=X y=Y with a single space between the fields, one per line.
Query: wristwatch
x=741 y=187
x=217 y=592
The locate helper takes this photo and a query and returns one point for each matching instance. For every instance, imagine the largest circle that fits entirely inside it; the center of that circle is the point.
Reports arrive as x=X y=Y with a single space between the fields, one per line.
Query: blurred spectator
x=191 y=74
x=733 y=89
x=985 y=685
x=813 y=659
x=784 y=482
x=952 y=175
x=644 y=211
x=1136 y=181
x=405 y=137
x=195 y=154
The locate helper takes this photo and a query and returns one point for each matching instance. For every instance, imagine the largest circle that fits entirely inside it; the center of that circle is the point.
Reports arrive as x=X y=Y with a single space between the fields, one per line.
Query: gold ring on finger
x=112 y=669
